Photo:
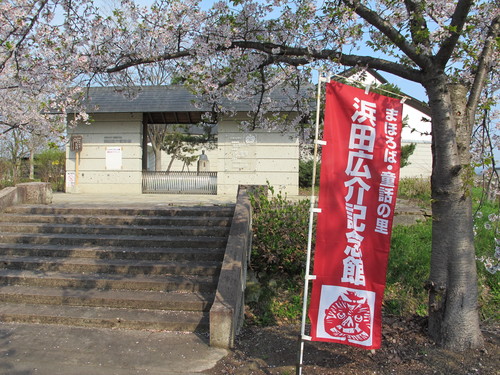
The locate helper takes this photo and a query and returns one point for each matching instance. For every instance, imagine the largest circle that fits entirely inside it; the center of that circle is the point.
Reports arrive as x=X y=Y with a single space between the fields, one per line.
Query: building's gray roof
x=175 y=104
x=160 y=104
x=161 y=99
x=173 y=98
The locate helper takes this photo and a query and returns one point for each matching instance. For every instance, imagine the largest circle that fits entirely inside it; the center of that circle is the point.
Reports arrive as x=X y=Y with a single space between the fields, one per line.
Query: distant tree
x=182 y=144
x=50 y=166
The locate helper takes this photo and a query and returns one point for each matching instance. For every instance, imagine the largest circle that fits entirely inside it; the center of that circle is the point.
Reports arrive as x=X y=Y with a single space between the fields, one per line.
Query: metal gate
x=179 y=182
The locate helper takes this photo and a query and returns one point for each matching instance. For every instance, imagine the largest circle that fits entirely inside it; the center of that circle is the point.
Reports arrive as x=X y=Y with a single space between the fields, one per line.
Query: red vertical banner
x=358 y=187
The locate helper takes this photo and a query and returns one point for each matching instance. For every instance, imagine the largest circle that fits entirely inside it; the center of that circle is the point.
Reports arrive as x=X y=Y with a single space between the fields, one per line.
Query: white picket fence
x=173 y=182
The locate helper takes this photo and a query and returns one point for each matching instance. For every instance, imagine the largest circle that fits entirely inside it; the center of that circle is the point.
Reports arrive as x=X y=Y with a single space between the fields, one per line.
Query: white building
x=115 y=156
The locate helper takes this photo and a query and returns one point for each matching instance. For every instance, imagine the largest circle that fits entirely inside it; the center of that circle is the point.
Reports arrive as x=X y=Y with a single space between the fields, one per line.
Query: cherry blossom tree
x=38 y=63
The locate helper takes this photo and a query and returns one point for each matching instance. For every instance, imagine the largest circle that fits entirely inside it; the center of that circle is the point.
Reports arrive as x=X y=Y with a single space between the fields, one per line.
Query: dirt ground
x=405 y=350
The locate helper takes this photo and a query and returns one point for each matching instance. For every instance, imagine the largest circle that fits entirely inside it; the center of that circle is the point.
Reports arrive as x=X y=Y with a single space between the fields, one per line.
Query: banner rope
x=366 y=85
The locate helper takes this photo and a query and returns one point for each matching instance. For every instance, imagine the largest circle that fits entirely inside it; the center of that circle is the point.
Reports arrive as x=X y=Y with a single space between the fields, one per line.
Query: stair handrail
x=26 y=193
x=227 y=312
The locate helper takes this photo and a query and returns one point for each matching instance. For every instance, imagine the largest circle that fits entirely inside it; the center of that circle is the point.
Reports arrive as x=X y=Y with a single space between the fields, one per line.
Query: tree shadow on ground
x=405 y=349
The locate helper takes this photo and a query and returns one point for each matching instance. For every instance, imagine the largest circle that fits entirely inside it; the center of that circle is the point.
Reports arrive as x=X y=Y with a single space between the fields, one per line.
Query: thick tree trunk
x=156 y=134
x=157 y=153
x=453 y=309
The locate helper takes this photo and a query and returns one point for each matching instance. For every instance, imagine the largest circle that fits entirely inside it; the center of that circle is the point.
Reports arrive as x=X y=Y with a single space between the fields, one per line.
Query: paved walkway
x=29 y=349
x=142 y=199
x=36 y=349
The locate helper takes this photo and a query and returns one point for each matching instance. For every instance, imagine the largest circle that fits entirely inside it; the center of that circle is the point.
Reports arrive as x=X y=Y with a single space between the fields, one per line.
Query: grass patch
x=417 y=190
x=487 y=243
x=408 y=270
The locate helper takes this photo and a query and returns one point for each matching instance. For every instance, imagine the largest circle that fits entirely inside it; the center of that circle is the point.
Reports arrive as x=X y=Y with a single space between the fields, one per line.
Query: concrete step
x=127 y=267
x=164 y=283
x=107 y=219
x=114 y=266
x=115 y=240
x=89 y=210
x=131 y=230
x=148 y=300
x=112 y=252
x=192 y=321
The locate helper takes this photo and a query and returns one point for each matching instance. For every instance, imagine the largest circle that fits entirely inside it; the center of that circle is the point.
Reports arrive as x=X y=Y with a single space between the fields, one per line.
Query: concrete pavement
x=36 y=349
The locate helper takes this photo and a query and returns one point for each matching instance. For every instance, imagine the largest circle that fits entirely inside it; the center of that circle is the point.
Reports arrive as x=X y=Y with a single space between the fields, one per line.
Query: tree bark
x=32 y=164
x=156 y=134
x=157 y=153
x=453 y=310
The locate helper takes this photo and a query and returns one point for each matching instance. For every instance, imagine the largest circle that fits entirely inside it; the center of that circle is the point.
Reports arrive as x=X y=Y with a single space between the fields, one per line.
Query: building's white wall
x=122 y=131
x=239 y=157
x=255 y=158
x=418 y=127
x=418 y=131
x=420 y=162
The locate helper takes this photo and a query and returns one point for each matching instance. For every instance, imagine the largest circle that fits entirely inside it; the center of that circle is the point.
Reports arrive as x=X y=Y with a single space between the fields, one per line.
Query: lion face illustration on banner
x=349 y=318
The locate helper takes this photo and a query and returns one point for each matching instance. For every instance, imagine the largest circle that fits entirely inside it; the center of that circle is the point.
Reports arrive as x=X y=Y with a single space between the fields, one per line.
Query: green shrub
x=280 y=235
x=306 y=173
x=50 y=167
x=279 y=248
x=406 y=152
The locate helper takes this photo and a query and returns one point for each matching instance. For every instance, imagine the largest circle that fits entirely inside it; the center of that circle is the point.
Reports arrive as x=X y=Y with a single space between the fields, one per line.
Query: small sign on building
x=76 y=143
x=113 y=158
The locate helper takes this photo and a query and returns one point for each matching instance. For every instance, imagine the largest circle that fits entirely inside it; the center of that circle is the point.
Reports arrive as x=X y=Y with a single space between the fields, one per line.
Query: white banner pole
x=312 y=211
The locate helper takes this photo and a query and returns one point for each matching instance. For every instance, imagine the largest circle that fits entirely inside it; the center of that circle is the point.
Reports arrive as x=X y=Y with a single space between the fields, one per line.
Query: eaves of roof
x=155 y=99
x=173 y=98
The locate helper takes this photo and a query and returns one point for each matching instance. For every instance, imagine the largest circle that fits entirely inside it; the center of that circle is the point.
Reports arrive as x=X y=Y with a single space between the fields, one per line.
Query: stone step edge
x=210 y=211
x=110 y=262
x=110 y=237
x=80 y=219
x=78 y=265
x=105 y=317
x=152 y=300
x=144 y=228
x=111 y=252
x=164 y=283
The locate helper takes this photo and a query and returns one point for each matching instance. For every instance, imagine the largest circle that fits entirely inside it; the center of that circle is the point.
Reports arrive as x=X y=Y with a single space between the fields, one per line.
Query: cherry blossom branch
x=24 y=33
x=418 y=25
x=483 y=66
x=457 y=23
x=148 y=60
x=10 y=127
x=297 y=56
x=389 y=31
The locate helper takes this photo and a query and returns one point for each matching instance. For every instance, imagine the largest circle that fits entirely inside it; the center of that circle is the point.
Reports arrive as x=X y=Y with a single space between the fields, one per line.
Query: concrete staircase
x=148 y=268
